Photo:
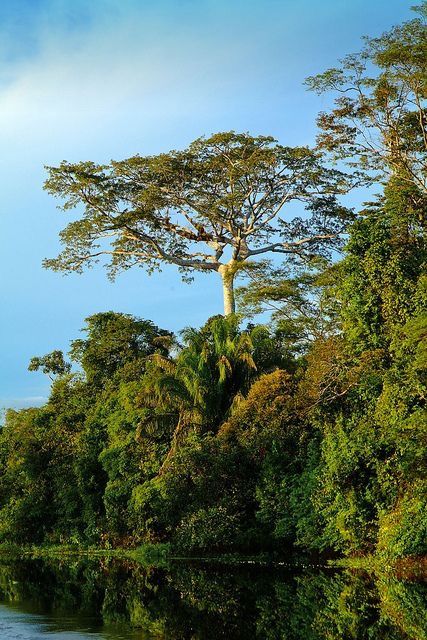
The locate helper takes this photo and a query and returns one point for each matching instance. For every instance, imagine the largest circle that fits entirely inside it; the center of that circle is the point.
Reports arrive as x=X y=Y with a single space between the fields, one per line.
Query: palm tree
x=211 y=373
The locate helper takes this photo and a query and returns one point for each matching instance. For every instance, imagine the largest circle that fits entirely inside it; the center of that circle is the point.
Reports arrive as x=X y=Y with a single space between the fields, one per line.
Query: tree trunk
x=227 y=273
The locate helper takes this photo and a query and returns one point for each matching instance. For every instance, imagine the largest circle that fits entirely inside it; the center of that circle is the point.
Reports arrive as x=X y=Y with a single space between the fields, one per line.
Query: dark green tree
x=115 y=340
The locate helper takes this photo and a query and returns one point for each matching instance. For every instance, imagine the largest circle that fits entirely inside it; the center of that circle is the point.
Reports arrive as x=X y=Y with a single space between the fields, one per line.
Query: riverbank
x=162 y=554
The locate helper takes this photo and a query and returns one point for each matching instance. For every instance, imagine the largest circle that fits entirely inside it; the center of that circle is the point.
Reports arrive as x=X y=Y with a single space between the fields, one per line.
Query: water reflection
x=117 y=600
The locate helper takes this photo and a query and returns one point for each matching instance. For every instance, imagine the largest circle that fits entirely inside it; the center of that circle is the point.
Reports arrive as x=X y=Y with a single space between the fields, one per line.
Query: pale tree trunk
x=227 y=272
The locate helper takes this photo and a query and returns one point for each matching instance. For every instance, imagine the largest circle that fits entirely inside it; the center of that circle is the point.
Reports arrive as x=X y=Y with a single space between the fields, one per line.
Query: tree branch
x=290 y=247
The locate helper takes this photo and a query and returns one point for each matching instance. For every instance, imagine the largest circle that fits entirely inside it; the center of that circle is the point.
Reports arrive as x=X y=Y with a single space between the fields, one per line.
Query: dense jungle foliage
x=306 y=433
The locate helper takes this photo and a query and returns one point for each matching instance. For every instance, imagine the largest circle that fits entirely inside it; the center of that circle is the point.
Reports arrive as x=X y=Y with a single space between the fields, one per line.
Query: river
x=113 y=599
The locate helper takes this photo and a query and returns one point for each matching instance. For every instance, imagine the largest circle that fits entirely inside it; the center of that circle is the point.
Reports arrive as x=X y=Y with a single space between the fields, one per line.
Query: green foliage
x=378 y=122
x=53 y=364
x=309 y=433
x=115 y=340
x=213 y=207
x=300 y=303
x=229 y=443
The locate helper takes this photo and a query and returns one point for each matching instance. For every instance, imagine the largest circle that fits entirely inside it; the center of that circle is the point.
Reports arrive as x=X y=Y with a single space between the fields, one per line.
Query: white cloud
x=123 y=70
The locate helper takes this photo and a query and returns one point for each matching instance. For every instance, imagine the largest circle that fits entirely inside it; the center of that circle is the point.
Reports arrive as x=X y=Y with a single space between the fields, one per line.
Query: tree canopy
x=212 y=207
x=379 y=122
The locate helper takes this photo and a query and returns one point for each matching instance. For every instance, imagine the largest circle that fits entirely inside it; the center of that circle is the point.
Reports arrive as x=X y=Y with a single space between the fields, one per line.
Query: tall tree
x=379 y=121
x=212 y=207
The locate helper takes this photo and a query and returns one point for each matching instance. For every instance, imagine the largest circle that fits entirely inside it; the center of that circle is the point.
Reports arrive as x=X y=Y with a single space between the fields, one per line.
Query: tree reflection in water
x=201 y=602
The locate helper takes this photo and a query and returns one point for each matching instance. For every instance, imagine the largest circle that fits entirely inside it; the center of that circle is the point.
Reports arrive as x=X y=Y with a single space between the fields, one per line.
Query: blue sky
x=107 y=79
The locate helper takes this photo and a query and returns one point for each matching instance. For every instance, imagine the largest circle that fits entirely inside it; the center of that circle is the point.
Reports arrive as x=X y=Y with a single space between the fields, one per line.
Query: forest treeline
x=306 y=433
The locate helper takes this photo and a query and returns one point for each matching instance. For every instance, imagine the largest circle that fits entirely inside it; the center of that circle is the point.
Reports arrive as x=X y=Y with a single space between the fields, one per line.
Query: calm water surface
x=117 y=600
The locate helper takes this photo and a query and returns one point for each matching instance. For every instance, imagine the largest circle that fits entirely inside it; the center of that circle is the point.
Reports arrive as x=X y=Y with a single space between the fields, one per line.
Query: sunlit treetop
x=379 y=121
x=214 y=206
